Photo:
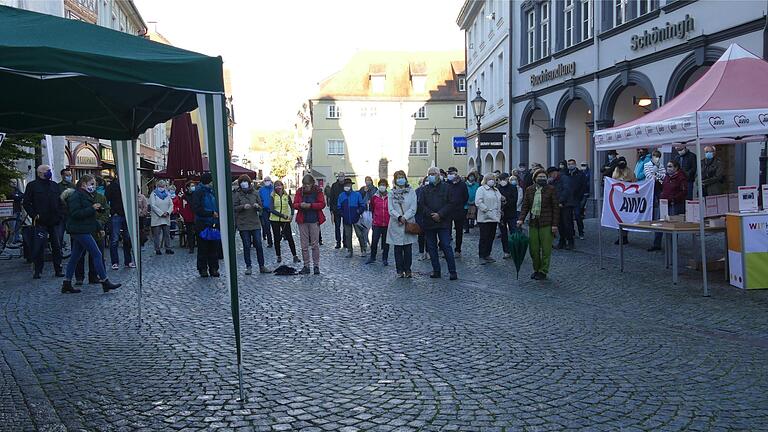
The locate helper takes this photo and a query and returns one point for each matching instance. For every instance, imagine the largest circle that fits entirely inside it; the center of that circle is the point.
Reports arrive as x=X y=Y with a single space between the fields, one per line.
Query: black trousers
x=282 y=231
x=337 y=226
x=42 y=235
x=506 y=226
x=403 y=258
x=565 y=227
x=208 y=255
x=458 y=222
x=487 y=235
x=380 y=236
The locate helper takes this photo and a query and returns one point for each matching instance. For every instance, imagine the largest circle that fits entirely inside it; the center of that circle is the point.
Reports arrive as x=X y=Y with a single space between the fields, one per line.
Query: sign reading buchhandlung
x=626 y=202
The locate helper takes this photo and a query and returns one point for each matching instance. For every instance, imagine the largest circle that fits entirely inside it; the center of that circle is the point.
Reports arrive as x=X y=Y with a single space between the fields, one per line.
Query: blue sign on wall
x=459 y=142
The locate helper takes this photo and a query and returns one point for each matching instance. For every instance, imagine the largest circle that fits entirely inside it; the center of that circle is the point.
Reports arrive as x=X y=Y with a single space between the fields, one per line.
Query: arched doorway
x=488 y=164
x=470 y=165
x=535 y=133
x=574 y=126
x=500 y=160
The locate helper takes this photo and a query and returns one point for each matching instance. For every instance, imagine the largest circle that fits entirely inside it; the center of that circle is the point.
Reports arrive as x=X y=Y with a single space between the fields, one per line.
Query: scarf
x=161 y=194
x=536 y=209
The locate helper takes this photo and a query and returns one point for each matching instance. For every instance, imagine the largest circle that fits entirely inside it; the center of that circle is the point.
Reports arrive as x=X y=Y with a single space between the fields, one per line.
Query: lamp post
x=435 y=140
x=478 y=106
x=164 y=149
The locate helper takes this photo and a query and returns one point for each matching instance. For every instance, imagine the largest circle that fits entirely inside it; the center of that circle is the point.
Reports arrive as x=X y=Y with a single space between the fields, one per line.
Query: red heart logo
x=624 y=189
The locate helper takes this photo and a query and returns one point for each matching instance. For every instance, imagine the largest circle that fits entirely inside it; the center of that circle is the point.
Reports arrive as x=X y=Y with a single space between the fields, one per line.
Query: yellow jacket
x=281 y=204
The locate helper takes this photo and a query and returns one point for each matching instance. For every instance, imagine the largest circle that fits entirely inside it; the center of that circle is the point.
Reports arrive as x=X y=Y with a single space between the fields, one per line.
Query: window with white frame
x=335 y=147
x=461 y=110
x=586 y=19
x=462 y=84
x=334 y=111
x=419 y=148
x=645 y=6
x=531 y=35
x=491 y=83
x=459 y=151
x=501 y=86
x=421 y=113
x=544 y=27
x=568 y=18
x=619 y=12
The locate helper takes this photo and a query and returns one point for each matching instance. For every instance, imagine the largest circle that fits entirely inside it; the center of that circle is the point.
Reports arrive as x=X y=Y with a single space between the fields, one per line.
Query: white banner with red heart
x=626 y=202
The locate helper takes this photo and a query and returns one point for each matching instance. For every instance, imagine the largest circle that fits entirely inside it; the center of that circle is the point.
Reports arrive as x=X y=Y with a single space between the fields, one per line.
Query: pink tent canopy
x=729 y=103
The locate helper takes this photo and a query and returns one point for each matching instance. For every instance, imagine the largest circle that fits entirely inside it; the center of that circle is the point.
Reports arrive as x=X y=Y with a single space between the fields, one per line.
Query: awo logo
x=648 y=130
x=716 y=122
x=628 y=133
x=660 y=128
x=762 y=118
x=673 y=127
x=638 y=131
x=687 y=124
x=740 y=120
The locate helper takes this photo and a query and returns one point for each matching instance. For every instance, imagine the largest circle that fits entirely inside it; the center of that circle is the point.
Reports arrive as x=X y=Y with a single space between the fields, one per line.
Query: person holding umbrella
x=541 y=203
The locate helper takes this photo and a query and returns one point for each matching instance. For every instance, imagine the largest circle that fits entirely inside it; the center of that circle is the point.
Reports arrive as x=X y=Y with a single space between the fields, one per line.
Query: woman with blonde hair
x=281 y=214
x=488 y=201
x=402 y=205
x=161 y=207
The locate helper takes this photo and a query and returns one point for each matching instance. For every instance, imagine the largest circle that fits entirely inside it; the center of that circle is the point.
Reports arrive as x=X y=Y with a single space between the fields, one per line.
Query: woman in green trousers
x=540 y=201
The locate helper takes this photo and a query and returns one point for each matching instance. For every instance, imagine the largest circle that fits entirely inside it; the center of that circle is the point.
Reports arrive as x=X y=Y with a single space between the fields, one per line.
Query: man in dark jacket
x=712 y=173
x=43 y=204
x=436 y=208
x=66 y=180
x=206 y=216
x=687 y=161
x=333 y=197
x=611 y=162
x=581 y=192
x=458 y=194
x=117 y=225
x=567 y=196
x=508 y=211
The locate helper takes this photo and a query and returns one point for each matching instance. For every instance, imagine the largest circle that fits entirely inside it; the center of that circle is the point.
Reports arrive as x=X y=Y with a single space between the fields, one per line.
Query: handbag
x=410 y=227
x=210 y=233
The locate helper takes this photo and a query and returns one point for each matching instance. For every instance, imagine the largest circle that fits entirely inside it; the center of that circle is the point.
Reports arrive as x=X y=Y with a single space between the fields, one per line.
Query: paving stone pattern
x=357 y=349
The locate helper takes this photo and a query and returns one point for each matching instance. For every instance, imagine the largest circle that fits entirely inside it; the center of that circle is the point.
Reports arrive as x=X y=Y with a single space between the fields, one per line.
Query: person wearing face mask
x=582 y=210
x=188 y=215
x=655 y=171
x=176 y=200
x=350 y=207
x=611 y=161
x=367 y=192
x=511 y=195
x=206 y=216
x=643 y=157
x=675 y=188
x=422 y=240
x=473 y=184
x=333 y=198
x=581 y=193
x=81 y=223
x=102 y=216
x=435 y=207
x=118 y=227
x=568 y=198
x=161 y=206
x=280 y=218
x=460 y=194
x=265 y=192
x=66 y=180
x=309 y=204
x=43 y=204
x=712 y=173
x=541 y=204
x=489 y=202
x=379 y=206
x=687 y=161
x=523 y=176
x=402 y=206
x=246 y=203
x=623 y=173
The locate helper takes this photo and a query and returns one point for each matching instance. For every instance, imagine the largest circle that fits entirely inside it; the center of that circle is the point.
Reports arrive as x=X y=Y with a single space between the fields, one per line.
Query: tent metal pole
x=137 y=246
x=598 y=175
x=702 y=209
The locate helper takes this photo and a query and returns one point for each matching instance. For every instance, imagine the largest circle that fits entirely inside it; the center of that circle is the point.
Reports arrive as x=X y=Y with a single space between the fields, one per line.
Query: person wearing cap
x=333 y=198
x=687 y=161
x=541 y=204
x=460 y=194
x=350 y=206
x=508 y=210
x=206 y=216
x=265 y=193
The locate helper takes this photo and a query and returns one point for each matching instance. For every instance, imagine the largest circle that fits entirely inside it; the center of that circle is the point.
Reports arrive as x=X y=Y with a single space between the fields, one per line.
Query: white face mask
x=382 y=189
x=491 y=183
x=245 y=185
x=347 y=188
x=503 y=183
x=267 y=183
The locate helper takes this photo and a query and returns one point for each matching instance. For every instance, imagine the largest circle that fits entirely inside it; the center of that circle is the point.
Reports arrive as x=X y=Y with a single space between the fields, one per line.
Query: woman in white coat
x=402 y=208
x=161 y=207
x=488 y=202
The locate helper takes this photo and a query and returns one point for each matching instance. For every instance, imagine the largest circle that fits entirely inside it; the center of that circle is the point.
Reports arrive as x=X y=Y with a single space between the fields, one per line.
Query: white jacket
x=401 y=202
x=488 y=202
x=159 y=206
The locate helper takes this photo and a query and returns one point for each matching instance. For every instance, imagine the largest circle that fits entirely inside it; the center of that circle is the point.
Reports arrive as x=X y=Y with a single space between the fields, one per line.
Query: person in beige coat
x=488 y=200
x=160 y=209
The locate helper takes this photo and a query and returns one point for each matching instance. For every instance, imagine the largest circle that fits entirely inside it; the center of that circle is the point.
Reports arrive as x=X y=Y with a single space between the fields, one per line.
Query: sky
x=278 y=50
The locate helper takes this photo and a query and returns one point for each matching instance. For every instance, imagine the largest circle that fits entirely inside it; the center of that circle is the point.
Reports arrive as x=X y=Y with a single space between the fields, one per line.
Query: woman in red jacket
x=675 y=188
x=309 y=203
x=380 y=211
x=188 y=215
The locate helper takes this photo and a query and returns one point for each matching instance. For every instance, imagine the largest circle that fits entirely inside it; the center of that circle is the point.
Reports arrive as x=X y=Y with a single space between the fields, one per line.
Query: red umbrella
x=236 y=170
x=184 y=156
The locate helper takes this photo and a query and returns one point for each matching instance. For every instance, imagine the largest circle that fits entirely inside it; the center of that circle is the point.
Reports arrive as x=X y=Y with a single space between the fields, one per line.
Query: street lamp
x=164 y=149
x=435 y=140
x=478 y=106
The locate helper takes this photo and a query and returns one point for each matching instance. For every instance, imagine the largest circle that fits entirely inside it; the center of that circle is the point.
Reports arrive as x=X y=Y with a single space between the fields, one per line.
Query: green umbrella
x=518 y=246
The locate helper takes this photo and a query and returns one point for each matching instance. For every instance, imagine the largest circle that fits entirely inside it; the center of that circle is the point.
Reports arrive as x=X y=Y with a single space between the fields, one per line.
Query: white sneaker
x=507 y=256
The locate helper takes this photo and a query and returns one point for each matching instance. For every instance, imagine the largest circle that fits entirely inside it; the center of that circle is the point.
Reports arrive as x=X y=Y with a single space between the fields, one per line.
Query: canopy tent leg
x=702 y=210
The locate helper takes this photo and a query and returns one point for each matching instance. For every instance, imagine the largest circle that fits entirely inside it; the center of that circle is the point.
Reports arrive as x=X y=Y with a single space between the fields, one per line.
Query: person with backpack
x=281 y=214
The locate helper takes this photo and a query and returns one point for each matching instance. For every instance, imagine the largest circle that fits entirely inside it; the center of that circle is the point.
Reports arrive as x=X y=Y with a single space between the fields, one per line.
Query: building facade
x=377 y=115
x=486 y=26
x=584 y=64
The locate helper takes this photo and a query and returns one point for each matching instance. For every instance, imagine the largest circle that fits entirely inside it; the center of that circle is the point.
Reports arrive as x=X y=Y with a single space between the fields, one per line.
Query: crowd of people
x=431 y=216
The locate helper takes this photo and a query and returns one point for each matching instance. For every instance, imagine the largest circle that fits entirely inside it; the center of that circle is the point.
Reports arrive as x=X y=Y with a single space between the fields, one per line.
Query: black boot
x=66 y=288
x=106 y=285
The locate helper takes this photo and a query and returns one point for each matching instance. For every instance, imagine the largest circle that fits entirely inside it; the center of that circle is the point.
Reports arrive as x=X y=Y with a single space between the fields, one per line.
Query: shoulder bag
x=410 y=227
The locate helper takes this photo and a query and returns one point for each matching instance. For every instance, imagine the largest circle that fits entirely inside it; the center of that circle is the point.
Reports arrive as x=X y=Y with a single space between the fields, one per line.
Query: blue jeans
x=17 y=222
x=117 y=224
x=252 y=238
x=82 y=243
x=443 y=235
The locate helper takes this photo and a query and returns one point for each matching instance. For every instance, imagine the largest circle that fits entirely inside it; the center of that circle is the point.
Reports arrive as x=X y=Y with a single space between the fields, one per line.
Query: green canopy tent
x=66 y=77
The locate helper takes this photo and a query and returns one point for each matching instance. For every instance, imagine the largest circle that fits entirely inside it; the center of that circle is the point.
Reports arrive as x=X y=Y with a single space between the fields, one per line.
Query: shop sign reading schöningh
x=678 y=30
x=562 y=70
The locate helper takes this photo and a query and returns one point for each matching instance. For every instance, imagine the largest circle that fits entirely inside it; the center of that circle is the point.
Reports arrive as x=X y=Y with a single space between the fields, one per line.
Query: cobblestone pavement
x=357 y=349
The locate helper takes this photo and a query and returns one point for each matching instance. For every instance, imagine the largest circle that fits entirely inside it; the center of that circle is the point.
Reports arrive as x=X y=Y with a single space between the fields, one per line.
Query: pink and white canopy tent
x=727 y=105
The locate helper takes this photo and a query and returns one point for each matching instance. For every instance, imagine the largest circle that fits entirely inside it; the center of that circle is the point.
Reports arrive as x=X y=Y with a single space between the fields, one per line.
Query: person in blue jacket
x=350 y=206
x=643 y=157
x=206 y=216
x=265 y=193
